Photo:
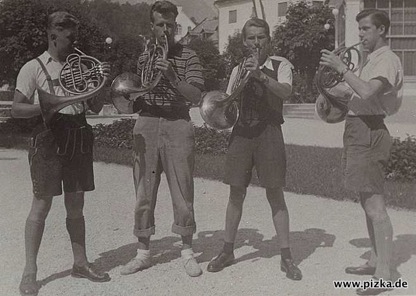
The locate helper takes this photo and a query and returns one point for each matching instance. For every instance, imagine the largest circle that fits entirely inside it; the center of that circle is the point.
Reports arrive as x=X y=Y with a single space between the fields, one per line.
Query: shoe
x=292 y=271
x=136 y=264
x=361 y=270
x=372 y=291
x=220 y=262
x=189 y=263
x=28 y=285
x=87 y=272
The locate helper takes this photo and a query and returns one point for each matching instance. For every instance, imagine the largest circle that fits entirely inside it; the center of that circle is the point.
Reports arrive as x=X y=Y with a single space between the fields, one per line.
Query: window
x=178 y=30
x=317 y=3
x=281 y=9
x=232 y=16
x=402 y=33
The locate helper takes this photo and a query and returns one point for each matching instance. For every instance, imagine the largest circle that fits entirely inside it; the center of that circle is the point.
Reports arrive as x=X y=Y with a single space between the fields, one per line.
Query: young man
x=257 y=140
x=164 y=141
x=61 y=152
x=367 y=142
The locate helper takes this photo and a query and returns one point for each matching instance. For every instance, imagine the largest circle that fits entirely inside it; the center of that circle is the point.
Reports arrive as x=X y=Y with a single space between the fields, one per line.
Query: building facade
x=402 y=35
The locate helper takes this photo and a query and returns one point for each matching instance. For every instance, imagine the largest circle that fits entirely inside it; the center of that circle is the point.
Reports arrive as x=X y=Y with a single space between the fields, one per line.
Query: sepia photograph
x=207 y=147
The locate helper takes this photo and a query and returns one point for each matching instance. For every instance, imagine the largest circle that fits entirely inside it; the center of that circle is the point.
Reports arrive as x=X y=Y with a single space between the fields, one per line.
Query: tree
x=300 y=39
x=211 y=60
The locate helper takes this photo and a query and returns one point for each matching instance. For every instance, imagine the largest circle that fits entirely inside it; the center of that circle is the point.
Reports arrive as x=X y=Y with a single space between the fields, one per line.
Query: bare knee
x=40 y=208
x=237 y=195
x=74 y=204
x=276 y=199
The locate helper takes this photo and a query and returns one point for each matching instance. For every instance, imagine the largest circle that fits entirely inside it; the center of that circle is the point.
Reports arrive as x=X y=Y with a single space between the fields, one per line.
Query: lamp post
x=335 y=12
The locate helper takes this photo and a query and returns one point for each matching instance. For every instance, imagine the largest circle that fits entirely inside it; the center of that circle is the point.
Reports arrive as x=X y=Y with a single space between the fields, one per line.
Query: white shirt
x=385 y=65
x=32 y=75
x=284 y=73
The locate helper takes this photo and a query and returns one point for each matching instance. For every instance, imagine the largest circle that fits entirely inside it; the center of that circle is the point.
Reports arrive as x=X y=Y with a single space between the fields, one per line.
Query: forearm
x=24 y=110
x=280 y=90
x=189 y=91
x=361 y=87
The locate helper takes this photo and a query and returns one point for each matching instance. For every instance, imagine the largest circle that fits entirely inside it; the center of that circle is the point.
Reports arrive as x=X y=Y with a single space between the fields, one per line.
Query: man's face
x=256 y=37
x=64 y=40
x=164 y=25
x=369 y=33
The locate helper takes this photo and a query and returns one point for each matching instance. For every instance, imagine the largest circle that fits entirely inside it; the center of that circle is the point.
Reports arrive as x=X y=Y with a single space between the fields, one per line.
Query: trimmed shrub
x=402 y=164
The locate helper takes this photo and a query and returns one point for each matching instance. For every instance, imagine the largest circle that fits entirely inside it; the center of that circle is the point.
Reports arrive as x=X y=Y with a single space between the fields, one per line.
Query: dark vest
x=255 y=111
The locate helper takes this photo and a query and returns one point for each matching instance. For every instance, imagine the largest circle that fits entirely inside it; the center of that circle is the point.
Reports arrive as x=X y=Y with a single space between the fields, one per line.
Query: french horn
x=332 y=103
x=81 y=76
x=220 y=110
x=128 y=87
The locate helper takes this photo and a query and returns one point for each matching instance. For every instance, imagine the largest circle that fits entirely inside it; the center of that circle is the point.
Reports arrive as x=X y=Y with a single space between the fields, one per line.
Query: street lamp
x=335 y=12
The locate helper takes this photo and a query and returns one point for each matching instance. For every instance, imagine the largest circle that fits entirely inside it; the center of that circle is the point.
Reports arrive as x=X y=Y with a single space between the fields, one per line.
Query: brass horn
x=127 y=87
x=220 y=110
x=332 y=103
x=81 y=76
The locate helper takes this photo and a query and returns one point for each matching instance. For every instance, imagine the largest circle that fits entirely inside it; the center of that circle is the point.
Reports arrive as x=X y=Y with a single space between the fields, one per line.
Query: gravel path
x=326 y=237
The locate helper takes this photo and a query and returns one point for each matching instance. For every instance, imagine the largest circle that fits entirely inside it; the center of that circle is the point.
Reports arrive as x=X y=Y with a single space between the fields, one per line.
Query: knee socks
x=33 y=237
x=76 y=230
x=383 y=236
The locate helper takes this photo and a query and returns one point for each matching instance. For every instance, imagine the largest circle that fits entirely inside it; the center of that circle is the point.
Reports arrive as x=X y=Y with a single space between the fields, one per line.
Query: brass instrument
x=329 y=107
x=127 y=87
x=81 y=76
x=220 y=110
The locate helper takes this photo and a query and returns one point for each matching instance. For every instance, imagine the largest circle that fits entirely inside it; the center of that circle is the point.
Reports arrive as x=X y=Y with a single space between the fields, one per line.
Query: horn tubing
x=50 y=104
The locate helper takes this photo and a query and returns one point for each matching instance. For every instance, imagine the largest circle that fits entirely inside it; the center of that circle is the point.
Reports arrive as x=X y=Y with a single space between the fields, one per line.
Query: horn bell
x=50 y=104
x=218 y=111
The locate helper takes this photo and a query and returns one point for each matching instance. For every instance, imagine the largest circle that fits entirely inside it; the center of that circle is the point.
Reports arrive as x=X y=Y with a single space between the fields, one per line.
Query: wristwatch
x=344 y=71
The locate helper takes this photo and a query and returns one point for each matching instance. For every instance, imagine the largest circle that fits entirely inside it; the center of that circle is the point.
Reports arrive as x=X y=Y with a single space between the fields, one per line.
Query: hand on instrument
x=331 y=60
x=105 y=69
x=166 y=67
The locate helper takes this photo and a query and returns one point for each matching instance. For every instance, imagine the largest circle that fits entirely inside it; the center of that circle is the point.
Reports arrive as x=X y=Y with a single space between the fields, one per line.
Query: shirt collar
x=268 y=64
x=378 y=52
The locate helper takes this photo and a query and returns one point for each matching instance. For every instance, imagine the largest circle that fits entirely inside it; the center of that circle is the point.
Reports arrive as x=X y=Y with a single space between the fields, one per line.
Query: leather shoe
x=28 y=285
x=87 y=272
x=220 y=262
x=292 y=271
x=361 y=270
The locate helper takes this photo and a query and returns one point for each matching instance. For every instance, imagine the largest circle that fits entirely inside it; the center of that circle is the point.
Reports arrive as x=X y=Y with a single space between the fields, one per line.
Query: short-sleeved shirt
x=382 y=64
x=254 y=103
x=188 y=68
x=31 y=75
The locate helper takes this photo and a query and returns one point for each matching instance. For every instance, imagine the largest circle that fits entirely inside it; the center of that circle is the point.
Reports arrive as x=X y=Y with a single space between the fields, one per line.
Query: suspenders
x=48 y=77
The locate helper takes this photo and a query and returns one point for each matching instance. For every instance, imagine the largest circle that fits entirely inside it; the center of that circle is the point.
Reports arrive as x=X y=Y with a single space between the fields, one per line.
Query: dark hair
x=378 y=17
x=164 y=8
x=62 y=20
x=256 y=22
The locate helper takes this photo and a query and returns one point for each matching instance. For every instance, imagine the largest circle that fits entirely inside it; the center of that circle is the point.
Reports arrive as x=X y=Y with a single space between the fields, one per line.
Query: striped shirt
x=186 y=65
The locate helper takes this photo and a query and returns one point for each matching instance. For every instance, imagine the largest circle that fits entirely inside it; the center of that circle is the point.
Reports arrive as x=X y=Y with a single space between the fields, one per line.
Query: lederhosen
x=62 y=145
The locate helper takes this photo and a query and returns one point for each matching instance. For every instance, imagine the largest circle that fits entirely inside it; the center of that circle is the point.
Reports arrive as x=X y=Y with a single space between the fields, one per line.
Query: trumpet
x=127 y=83
x=331 y=108
x=220 y=110
x=81 y=76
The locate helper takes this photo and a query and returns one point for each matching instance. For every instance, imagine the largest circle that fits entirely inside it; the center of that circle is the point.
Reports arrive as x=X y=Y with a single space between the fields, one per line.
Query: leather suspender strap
x=48 y=77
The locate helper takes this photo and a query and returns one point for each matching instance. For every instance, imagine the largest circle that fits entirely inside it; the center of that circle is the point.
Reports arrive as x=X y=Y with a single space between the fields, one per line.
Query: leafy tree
x=212 y=62
x=300 y=39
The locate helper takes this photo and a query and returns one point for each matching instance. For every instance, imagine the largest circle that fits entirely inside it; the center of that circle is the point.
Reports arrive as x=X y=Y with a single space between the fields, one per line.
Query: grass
x=310 y=170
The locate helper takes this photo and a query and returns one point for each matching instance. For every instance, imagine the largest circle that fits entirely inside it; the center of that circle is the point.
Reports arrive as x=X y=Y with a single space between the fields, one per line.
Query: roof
x=207 y=25
x=335 y=3
x=220 y=2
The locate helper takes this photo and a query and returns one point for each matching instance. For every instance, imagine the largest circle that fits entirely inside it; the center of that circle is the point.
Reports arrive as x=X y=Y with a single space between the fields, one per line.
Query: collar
x=378 y=52
x=268 y=64
x=46 y=57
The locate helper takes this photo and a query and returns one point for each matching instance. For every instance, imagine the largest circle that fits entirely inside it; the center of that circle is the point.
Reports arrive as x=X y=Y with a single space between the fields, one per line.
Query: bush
x=19 y=126
x=402 y=164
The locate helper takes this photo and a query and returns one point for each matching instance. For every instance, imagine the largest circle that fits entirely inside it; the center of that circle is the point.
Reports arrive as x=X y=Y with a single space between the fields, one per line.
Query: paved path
x=326 y=236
